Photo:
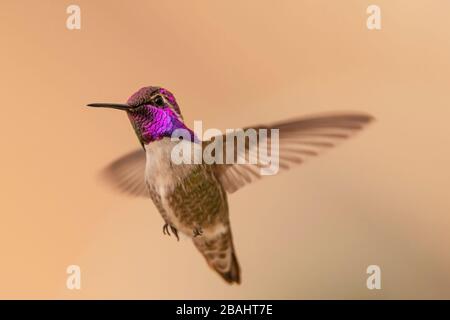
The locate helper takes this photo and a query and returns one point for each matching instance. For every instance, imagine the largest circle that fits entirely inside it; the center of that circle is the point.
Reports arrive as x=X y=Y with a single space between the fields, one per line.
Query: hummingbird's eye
x=159 y=101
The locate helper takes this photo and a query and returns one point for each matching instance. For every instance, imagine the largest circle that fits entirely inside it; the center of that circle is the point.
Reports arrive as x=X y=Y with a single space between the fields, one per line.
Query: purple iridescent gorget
x=155 y=115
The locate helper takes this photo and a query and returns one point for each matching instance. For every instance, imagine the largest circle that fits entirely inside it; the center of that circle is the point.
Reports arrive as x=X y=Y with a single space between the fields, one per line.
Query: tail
x=218 y=251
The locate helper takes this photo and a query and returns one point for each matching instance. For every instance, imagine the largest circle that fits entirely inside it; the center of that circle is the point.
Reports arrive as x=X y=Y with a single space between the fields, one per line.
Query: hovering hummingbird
x=192 y=198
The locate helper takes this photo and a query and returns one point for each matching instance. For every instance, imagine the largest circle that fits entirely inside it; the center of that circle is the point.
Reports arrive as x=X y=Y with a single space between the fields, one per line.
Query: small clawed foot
x=172 y=228
x=198 y=232
x=166 y=229
x=175 y=232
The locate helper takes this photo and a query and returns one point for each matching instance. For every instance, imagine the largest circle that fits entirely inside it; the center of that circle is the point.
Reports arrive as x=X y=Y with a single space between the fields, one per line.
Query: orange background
x=381 y=198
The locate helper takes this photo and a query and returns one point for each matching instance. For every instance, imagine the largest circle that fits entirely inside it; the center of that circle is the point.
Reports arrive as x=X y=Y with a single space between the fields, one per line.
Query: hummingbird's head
x=154 y=97
x=153 y=112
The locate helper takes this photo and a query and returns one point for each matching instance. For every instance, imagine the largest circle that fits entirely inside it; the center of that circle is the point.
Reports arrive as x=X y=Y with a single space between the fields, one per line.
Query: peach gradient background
x=381 y=198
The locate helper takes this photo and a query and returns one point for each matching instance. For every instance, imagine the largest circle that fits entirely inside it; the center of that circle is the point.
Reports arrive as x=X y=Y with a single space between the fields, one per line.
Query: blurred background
x=380 y=198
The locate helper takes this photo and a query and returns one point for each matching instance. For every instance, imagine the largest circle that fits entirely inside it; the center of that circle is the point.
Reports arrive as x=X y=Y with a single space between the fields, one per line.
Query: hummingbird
x=192 y=198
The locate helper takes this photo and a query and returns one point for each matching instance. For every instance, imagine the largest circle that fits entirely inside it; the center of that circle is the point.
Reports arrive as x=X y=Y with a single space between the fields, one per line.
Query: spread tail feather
x=220 y=256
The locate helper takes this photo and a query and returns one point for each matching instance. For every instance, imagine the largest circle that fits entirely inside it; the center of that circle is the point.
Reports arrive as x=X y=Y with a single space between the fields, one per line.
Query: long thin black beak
x=118 y=106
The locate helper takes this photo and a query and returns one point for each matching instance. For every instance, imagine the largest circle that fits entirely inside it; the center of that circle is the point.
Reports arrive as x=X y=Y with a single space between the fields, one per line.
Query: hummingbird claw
x=172 y=228
x=175 y=232
x=198 y=232
x=166 y=229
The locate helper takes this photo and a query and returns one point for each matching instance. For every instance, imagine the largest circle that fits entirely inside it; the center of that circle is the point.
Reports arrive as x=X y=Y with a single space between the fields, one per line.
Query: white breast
x=162 y=175
x=160 y=171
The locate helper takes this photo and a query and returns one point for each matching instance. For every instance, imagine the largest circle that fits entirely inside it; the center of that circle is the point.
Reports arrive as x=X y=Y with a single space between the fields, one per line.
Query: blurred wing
x=126 y=174
x=299 y=139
